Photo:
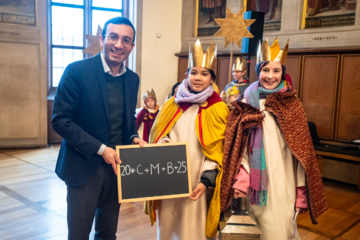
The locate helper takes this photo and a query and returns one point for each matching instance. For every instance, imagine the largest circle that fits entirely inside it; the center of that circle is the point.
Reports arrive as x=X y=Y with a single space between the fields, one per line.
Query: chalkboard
x=156 y=171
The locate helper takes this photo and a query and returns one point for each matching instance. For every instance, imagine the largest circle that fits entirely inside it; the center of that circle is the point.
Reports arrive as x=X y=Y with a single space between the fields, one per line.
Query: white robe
x=183 y=218
x=285 y=173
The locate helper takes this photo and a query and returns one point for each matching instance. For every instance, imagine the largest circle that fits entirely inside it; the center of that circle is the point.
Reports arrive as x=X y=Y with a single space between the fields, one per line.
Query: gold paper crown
x=273 y=53
x=232 y=91
x=149 y=94
x=197 y=58
x=240 y=65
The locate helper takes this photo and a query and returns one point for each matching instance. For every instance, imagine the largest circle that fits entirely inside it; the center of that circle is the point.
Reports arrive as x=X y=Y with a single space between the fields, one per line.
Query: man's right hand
x=111 y=157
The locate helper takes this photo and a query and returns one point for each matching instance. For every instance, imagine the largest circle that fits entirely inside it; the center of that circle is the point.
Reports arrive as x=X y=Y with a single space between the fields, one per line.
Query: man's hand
x=111 y=157
x=139 y=141
x=239 y=194
x=198 y=192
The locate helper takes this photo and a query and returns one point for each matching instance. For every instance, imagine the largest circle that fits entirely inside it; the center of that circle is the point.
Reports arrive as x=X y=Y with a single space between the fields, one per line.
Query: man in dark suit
x=94 y=111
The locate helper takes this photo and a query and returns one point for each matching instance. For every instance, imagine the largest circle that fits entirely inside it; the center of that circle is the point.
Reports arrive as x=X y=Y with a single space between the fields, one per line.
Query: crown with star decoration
x=149 y=94
x=273 y=53
x=239 y=65
x=197 y=57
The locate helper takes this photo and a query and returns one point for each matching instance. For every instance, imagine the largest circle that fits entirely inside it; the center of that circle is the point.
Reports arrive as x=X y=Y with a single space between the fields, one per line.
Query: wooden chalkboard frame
x=118 y=148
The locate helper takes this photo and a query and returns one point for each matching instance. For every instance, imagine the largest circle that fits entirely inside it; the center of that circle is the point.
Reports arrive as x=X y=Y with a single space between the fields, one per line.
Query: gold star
x=94 y=43
x=234 y=27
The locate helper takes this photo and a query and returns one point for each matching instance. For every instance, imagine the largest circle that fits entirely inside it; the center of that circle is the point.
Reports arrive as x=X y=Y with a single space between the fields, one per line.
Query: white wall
x=159 y=65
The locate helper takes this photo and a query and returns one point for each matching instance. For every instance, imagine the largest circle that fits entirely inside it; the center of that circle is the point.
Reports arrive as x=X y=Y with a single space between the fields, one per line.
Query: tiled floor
x=33 y=204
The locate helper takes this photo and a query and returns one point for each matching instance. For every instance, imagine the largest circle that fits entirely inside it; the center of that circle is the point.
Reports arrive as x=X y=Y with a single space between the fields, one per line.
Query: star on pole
x=94 y=43
x=234 y=27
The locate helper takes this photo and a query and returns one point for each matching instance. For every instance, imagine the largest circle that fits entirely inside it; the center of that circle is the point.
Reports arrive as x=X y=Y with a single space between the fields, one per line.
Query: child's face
x=270 y=75
x=238 y=74
x=233 y=98
x=150 y=103
x=199 y=78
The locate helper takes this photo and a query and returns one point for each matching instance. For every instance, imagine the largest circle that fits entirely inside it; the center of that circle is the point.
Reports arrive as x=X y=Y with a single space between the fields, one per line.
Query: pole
x=231 y=59
x=248 y=65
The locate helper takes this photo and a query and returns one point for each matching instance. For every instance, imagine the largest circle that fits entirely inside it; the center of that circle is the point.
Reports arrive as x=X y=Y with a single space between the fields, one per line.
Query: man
x=94 y=111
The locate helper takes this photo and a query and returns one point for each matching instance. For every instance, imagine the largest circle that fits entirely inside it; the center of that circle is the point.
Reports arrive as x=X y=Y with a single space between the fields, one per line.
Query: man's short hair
x=118 y=20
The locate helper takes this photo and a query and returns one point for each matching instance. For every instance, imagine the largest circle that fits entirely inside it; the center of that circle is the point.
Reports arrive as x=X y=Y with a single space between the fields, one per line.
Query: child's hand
x=198 y=192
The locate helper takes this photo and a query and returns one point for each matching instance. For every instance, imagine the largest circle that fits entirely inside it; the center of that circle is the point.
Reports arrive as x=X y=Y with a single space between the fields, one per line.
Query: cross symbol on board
x=176 y=167
x=163 y=169
x=132 y=170
x=146 y=170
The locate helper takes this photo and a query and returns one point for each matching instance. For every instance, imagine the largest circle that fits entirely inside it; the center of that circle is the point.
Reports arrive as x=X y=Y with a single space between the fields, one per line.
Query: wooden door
x=348 y=113
x=318 y=92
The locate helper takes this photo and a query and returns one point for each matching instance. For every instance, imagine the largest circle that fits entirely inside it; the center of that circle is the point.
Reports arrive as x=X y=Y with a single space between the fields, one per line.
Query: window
x=70 y=20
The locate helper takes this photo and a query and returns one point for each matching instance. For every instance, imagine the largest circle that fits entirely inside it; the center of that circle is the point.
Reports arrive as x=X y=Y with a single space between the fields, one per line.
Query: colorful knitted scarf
x=258 y=175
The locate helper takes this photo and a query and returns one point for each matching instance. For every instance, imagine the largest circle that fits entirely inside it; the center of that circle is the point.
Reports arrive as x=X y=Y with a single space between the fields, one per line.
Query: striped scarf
x=258 y=175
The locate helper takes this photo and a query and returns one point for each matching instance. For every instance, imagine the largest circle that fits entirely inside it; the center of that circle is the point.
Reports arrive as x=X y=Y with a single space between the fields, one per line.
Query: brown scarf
x=290 y=115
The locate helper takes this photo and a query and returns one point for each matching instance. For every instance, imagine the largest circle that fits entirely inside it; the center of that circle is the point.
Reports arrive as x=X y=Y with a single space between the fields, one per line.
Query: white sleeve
x=245 y=161
x=101 y=149
x=300 y=174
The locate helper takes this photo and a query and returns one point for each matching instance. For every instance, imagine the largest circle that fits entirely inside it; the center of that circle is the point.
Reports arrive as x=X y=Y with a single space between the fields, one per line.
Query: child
x=173 y=91
x=145 y=118
x=230 y=95
x=239 y=72
x=269 y=155
x=197 y=116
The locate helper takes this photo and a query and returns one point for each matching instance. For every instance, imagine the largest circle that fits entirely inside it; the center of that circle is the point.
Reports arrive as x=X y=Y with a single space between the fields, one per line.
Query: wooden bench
x=339 y=163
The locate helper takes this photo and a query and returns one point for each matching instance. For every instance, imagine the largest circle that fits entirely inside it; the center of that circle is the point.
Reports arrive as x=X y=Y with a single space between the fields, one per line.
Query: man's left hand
x=139 y=141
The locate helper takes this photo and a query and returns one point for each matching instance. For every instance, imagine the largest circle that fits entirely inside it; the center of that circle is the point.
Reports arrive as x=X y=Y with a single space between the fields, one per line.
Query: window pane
x=62 y=57
x=67 y=26
x=100 y=17
x=116 y=4
x=77 y=2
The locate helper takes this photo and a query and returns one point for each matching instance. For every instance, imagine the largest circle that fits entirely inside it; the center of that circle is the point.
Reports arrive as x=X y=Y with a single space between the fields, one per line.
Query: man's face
x=116 y=53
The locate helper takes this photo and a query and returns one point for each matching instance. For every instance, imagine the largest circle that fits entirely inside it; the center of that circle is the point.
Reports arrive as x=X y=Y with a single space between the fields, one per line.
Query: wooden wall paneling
x=293 y=68
x=359 y=177
x=348 y=107
x=182 y=68
x=223 y=72
x=23 y=82
x=340 y=171
x=53 y=137
x=319 y=77
x=253 y=77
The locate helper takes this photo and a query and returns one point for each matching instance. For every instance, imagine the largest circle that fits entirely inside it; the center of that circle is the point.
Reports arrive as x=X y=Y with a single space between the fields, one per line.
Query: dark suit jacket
x=81 y=116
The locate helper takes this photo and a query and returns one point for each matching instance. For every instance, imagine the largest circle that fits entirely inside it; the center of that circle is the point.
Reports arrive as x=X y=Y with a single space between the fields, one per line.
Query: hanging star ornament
x=94 y=43
x=234 y=27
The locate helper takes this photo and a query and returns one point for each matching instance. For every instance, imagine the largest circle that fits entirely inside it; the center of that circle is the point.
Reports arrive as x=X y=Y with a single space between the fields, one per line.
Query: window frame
x=87 y=23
